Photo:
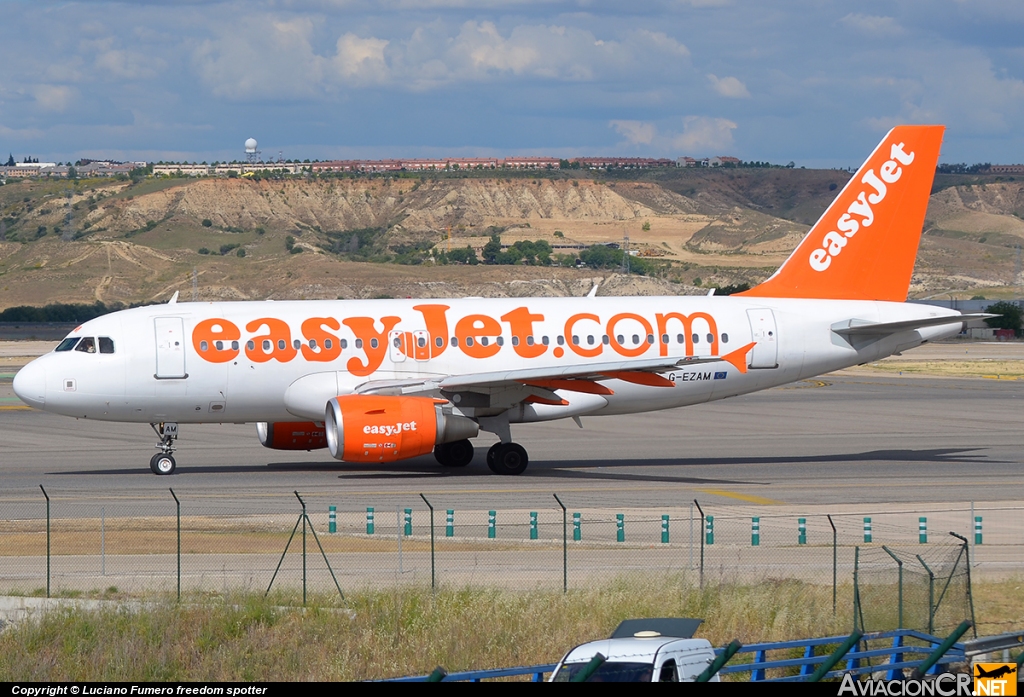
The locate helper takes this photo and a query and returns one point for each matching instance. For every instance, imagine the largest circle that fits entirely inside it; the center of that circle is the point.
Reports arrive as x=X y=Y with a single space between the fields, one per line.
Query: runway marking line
x=16 y=407
x=741 y=497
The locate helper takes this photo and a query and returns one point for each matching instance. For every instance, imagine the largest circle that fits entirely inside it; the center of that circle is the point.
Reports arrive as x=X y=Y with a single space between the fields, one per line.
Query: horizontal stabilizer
x=857 y=327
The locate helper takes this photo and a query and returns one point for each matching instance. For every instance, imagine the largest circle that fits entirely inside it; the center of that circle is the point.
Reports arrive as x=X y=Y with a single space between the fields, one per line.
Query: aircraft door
x=421 y=338
x=170 y=348
x=396 y=346
x=763 y=330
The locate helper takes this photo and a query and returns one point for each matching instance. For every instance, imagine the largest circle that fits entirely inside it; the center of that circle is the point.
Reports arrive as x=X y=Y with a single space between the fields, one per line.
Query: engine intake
x=292 y=435
x=379 y=428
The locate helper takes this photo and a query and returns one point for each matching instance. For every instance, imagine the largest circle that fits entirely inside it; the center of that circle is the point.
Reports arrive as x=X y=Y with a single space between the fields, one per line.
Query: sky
x=816 y=82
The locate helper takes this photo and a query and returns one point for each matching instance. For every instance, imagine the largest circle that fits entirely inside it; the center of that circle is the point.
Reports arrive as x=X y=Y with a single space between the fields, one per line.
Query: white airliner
x=386 y=380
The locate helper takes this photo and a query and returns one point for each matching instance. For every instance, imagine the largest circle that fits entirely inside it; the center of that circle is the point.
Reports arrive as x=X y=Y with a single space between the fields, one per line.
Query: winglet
x=593 y=291
x=738 y=358
x=865 y=245
x=174 y=299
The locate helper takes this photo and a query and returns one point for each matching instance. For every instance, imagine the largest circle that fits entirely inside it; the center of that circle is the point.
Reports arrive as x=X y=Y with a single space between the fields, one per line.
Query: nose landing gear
x=163 y=463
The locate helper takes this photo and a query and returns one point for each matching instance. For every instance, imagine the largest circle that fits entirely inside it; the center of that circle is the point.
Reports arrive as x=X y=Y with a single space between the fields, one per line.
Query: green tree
x=207 y=222
x=10 y=161
x=491 y=250
x=1010 y=316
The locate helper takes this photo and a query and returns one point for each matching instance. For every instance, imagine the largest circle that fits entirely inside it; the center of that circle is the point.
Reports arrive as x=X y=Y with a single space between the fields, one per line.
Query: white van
x=646 y=650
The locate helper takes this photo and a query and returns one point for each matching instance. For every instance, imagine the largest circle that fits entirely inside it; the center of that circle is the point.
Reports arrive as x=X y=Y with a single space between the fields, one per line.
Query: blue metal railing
x=898 y=655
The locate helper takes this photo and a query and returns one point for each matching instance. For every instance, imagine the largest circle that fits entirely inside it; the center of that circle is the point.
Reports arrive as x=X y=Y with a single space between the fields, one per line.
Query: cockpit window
x=106 y=344
x=67 y=344
x=87 y=345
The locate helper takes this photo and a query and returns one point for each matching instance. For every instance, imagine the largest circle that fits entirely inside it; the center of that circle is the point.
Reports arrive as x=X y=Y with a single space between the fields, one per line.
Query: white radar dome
x=250 y=145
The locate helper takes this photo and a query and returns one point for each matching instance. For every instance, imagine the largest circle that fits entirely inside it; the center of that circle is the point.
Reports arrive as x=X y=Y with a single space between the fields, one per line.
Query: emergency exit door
x=170 y=348
x=765 y=353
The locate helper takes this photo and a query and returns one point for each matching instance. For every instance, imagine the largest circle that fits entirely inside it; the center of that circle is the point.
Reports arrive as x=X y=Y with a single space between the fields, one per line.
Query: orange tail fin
x=864 y=246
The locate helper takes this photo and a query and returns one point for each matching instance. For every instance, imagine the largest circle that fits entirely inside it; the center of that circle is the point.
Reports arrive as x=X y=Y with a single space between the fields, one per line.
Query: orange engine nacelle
x=292 y=435
x=378 y=428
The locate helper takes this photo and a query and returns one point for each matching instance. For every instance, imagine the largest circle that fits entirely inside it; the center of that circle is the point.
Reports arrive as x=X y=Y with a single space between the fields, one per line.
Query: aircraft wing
x=858 y=327
x=582 y=377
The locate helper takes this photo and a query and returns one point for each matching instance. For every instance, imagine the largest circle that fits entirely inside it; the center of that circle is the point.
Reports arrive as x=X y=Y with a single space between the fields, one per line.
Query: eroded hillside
x=292 y=238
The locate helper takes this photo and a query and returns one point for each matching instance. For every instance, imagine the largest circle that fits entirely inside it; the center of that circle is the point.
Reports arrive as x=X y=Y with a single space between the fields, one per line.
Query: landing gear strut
x=457 y=454
x=163 y=462
x=507 y=458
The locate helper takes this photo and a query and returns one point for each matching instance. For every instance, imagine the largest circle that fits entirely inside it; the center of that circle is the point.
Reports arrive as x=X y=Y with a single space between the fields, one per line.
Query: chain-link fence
x=64 y=542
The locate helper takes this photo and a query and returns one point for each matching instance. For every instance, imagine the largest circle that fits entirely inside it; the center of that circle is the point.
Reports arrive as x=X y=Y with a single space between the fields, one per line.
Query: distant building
x=1006 y=169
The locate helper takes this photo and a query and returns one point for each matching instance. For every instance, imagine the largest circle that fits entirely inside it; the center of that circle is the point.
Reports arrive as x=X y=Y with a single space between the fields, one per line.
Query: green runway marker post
x=867 y=530
x=576 y=534
x=801 y=526
x=491 y=524
x=408 y=522
x=620 y=527
x=332 y=519
x=664 y=529
x=533 y=525
x=755 y=532
x=449 y=523
x=369 y=520
x=922 y=530
x=977 y=529
x=709 y=530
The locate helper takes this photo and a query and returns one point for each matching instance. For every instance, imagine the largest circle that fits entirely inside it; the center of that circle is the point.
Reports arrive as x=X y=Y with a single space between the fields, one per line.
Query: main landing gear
x=457 y=454
x=507 y=458
x=163 y=462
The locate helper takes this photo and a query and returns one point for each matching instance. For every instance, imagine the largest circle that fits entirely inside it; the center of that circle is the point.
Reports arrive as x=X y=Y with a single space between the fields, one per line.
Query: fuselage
x=235 y=361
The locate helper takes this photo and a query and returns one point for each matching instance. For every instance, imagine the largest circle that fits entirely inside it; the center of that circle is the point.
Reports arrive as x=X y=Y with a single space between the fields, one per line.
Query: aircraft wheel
x=490 y=457
x=457 y=454
x=509 y=458
x=162 y=464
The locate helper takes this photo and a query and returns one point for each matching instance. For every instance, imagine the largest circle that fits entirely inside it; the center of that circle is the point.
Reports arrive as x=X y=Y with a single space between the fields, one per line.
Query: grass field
x=410 y=631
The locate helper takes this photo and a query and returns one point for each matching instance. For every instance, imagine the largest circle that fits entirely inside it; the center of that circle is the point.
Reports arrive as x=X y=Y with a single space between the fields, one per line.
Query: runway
x=839 y=440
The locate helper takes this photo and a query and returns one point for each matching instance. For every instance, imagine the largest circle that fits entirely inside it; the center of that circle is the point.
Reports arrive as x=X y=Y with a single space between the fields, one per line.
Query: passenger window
x=636 y=339
x=373 y=343
x=328 y=344
x=679 y=338
x=561 y=340
x=106 y=344
x=575 y=340
x=605 y=339
x=266 y=345
x=234 y=345
x=397 y=342
x=344 y=343
x=67 y=344
x=359 y=343
x=484 y=341
x=87 y=345
x=664 y=338
x=203 y=346
x=544 y=340
x=668 y=671
x=218 y=344
x=439 y=342
x=696 y=338
x=312 y=344
x=711 y=338
x=250 y=345
x=590 y=339
x=500 y=341
x=281 y=344
x=421 y=342
x=725 y=338
x=529 y=341
x=297 y=344
x=515 y=340
x=650 y=338
x=455 y=341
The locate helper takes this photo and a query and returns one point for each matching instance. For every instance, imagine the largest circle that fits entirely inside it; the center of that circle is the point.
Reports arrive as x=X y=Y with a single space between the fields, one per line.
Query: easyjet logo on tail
x=859 y=213
x=865 y=245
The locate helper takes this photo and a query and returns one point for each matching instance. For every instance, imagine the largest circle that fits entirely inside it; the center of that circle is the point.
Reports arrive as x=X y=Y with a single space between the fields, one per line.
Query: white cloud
x=53 y=97
x=704 y=134
x=635 y=132
x=361 y=60
x=729 y=87
x=872 y=25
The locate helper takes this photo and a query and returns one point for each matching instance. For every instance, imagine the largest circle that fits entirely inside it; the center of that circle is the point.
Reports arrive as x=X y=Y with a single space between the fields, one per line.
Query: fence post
x=533 y=525
x=408 y=522
x=565 y=546
x=867 y=530
x=491 y=524
x=369 y=520
x=664 y=529
x=449 y=523
x=47 y=496
x=977 y=529
x=701 y=511
x=620 y=528
x=899 y=592
x=332 y=519
x=432 y=584
x=922 y=530
x=577 y=534
x=835 y=563
x=177 y=506
x=103 y=541
x=801 y=525
x=931 y=596
x=709 y=532
x=755 y=532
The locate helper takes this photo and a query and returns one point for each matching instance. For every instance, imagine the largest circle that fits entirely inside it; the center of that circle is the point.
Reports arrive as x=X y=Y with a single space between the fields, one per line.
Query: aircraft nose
x=30 y=384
